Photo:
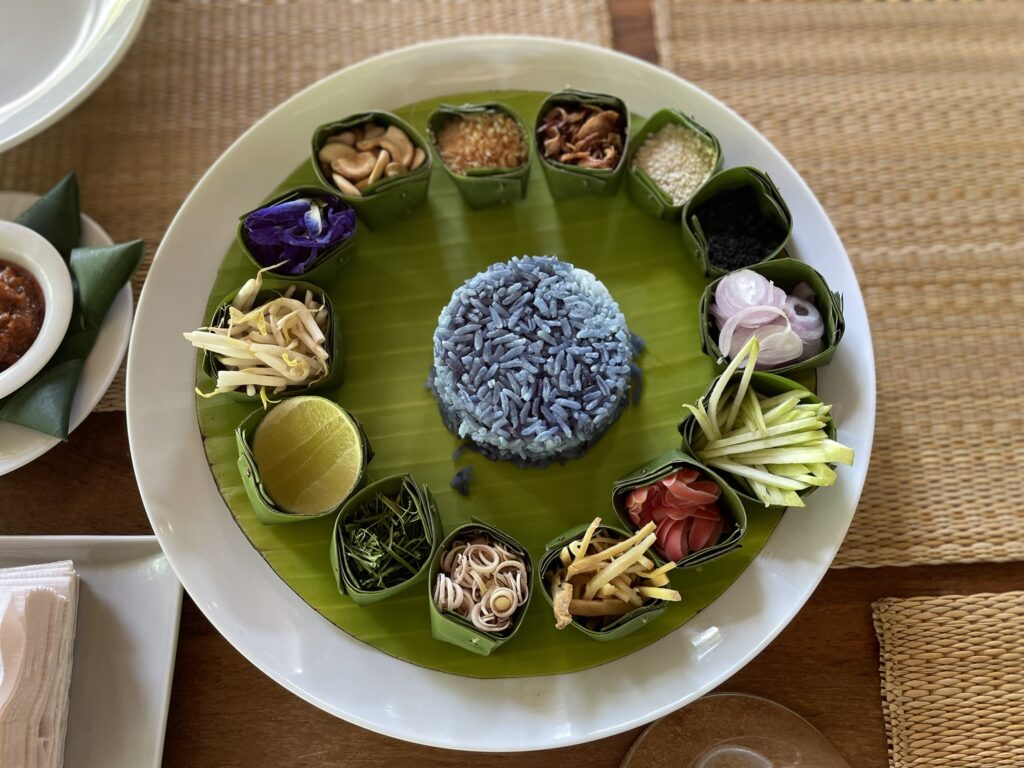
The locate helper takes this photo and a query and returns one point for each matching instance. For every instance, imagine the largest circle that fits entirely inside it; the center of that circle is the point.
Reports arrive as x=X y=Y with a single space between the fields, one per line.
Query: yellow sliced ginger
x=658 y=593
x=620 y=564
x=596 y=561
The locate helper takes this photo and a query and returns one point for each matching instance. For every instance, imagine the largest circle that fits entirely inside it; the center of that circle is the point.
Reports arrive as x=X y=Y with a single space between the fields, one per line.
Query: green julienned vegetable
x=385 y=540
x=774 y=446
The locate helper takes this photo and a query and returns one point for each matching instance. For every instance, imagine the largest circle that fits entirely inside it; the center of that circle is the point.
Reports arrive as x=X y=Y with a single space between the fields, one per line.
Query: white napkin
x=38 y=605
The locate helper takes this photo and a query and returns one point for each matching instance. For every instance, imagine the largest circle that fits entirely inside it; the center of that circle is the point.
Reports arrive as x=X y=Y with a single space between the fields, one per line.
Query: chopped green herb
x=385 y=541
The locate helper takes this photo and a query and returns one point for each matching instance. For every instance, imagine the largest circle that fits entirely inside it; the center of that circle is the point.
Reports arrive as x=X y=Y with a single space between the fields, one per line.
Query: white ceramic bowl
x=32 y=252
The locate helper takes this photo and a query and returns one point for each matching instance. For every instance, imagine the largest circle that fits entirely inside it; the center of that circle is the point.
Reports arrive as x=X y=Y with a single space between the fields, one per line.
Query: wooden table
x=226 y=713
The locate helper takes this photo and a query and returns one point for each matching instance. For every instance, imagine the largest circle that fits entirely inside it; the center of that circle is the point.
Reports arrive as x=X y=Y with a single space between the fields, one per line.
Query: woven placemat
x=202 y=72
x=906 y=120
x=953 y=680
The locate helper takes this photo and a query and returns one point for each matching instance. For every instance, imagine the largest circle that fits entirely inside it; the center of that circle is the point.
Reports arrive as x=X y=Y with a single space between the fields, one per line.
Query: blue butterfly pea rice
x=532 y=360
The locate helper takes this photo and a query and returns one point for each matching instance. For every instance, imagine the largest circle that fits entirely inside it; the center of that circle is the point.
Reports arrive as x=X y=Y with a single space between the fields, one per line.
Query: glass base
x=732 y=730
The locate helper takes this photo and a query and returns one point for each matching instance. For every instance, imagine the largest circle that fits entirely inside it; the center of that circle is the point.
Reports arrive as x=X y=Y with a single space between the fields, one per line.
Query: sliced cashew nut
x=345 y=185
x=357 y=166
x=417 y=159
x=332 y=151
x=378 y=168
x=372 y=130
x=363 y=183
x=397 y=137
x=394 y=169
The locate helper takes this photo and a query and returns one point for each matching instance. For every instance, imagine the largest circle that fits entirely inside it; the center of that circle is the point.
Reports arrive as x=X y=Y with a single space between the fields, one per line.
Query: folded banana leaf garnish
x=379 y=198
x=585 y=543
x=479 y=588
x=581 y=141
x=97 y=274
x=683 y=510
x=735 y=220
x=267 y=509
x=478 y=141
x=645 y=191
x=384 y=539
x=786 y=274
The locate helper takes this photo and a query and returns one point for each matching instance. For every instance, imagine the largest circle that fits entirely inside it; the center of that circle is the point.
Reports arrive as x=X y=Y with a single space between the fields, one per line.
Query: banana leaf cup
x=786 y=274
x=357 y=571
x=328 y=263
x=769 y=204
x=624 y=625
x=274 y=288
x=644 y=191
x=267 y=510
x=734 y=516
x=566 y=180
x=482 y=187
x=453 y=628
x=385 y=200
x=770 y=385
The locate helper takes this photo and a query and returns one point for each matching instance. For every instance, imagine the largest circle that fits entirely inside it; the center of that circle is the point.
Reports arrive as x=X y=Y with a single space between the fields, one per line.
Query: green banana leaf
x=57 y=217
x=97 y=274
x=643 y=190
x=388 y=299
x=770 y=203
x=483 y=187
x=328 y=264
x=451 y=628
x=391 y=486
x=385 y=202
x=729 y=505
x=265 y=507
x=785 y=273
x=768 y=384
x=625 y=625
x=274 y=287
x=566 y=181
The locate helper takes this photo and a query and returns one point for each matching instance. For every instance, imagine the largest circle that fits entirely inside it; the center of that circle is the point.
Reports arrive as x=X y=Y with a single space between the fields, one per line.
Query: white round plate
x=54 y=53
x=19 y=445
x=265 y=620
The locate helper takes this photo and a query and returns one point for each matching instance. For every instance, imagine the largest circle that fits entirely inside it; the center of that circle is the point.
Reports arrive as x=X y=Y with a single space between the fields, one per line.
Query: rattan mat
x=906 y=119
x=953 y=680
x=202 y=72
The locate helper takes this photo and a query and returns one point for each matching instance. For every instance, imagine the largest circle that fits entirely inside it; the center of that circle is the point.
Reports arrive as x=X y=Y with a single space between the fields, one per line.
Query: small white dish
x=129 y=606
x=19 y=445
x=33 y=253
x=54 y=53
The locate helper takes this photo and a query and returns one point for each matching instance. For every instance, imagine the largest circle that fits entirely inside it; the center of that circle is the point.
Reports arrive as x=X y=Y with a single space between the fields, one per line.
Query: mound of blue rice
x=531 y=360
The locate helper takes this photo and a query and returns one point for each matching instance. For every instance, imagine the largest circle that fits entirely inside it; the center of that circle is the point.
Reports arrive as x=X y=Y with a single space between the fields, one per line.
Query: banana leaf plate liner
x=266 y=509
x=328 y=264
x=729 y=505
x=452 y=628
x=769 y=384
x=389 y=198
x=564 y=180
x=483 y=187
x=624 y=625
x=273 y=288
x=770 y=203
x=390 y=486
x=645 y=191
x=785 y=273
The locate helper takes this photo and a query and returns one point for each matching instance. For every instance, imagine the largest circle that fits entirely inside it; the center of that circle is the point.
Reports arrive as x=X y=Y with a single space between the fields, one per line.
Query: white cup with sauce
x=25 y=249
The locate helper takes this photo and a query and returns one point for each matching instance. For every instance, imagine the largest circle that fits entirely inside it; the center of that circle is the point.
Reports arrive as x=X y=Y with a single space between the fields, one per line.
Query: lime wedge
x=309 y=453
